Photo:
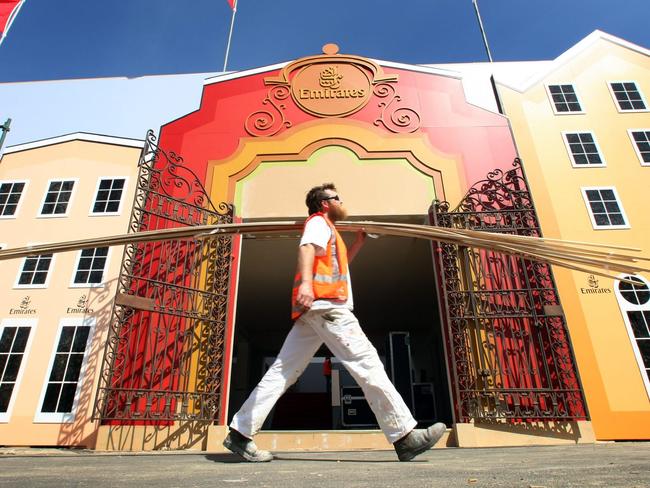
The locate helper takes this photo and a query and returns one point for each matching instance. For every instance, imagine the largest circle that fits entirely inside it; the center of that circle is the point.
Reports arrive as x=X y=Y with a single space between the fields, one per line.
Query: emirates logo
x=330 y=78
x=25 y=303
x=24 y=308
x=594 y=287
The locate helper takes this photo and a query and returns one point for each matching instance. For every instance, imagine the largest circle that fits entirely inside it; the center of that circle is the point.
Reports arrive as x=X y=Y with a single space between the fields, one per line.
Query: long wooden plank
x=568 y=254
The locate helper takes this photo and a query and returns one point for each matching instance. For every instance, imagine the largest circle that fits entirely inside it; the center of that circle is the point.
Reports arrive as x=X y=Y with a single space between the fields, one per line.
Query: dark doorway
x=394 y=291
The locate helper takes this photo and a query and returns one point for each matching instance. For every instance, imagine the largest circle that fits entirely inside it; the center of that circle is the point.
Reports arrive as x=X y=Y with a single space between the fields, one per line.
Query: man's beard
x=336 y=213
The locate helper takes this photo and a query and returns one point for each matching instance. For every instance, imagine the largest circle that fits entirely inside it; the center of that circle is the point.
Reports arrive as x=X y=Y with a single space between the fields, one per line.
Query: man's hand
x=305 y=296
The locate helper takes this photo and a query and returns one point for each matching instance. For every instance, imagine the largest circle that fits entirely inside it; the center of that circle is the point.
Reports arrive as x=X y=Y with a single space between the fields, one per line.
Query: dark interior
x=394 y=291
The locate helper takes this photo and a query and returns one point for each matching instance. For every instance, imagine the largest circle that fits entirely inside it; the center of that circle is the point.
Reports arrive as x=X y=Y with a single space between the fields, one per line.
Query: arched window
x=634 y=299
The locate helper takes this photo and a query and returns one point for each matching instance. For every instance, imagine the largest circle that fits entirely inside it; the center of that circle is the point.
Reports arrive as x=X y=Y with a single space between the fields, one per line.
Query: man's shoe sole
x=425 y=447
x=240 y=452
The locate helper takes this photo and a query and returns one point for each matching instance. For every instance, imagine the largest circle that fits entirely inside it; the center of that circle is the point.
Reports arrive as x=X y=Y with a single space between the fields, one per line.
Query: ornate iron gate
x=164 y=352
x=508 y=346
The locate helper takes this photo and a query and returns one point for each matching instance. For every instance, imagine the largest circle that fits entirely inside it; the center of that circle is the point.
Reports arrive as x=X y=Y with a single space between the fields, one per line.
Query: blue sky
x=61 y=39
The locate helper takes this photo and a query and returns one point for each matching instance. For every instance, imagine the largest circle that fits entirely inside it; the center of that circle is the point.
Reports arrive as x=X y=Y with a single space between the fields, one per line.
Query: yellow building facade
x=582 y=129
x=55 y=309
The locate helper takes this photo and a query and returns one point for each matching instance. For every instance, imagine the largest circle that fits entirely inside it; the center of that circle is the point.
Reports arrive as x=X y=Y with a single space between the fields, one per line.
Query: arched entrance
x=398 y=273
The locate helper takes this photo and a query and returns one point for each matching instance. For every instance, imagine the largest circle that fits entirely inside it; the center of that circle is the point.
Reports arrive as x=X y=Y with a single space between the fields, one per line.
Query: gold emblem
x=330 y=85
x=330 y=78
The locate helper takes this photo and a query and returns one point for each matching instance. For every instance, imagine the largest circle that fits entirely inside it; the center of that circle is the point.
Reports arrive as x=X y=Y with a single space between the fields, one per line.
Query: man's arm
x=306 y=254
x=356 y=246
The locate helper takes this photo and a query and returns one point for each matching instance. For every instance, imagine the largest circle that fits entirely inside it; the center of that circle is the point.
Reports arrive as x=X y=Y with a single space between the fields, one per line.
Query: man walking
x=322 y=310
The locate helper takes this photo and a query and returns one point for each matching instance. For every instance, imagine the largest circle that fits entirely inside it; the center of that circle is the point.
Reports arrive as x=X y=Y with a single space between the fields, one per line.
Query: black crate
x=355 y=411
x=425 y=402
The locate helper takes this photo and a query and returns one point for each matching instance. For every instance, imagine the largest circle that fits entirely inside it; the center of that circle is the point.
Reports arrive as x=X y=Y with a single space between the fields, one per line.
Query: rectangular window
x=57 y=197
x=65 y=372
x=35 y=271
x=564 y=99
x=90 y=266
x=604 y=208
x=641 y=141
x=627 y=95
x=640 y=323
x=583 y=149
x=109 y=196
x=10 y=193
x=13 y=346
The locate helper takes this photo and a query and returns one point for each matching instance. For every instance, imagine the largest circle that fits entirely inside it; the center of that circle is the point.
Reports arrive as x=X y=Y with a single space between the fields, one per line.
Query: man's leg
x=299 y=347
x=341 y=331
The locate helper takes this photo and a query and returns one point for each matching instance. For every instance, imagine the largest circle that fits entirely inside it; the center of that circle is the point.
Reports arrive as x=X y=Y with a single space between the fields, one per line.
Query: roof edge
x=570 y=54
x=76 y=136
x=390 y=64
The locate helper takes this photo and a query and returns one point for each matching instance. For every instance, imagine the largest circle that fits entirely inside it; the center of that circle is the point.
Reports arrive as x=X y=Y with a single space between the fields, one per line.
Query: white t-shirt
x=318 y=233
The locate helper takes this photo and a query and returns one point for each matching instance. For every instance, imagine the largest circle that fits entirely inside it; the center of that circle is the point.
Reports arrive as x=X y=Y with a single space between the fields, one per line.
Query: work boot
x=246 y=448
x=418 y=440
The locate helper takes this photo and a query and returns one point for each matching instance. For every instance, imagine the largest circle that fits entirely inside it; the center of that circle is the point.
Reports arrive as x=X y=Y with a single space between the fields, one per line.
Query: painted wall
x=617 y=397
x=60 y=302
x=253 y=142
x=479 y=140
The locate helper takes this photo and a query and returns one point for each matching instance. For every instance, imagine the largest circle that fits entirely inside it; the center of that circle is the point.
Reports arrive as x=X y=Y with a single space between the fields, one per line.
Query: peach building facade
x=54 y=309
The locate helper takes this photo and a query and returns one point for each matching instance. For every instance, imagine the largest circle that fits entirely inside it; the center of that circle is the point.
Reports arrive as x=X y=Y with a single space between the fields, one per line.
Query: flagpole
x=4 y=128
x=480 y=24
x=232 y=25
x=12 y=17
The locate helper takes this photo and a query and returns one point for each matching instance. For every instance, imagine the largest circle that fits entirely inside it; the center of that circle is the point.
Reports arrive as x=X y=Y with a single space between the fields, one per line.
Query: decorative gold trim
x=331 y=56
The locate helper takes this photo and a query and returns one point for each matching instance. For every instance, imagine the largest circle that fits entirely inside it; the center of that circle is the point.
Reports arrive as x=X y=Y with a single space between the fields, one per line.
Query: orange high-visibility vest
x=330 y=275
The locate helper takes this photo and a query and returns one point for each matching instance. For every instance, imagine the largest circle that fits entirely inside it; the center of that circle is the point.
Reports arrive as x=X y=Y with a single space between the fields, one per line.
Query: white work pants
x=340 y=331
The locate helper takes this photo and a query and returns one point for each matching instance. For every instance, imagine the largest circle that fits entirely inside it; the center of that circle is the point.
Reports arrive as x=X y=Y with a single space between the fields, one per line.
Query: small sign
x=593 y=287
x=81 y=307
x=24 y=308
x=334 y=89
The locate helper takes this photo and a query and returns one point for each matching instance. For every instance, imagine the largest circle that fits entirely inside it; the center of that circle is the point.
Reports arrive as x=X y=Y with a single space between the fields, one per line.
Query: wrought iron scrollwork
x=509 y=358
x=164 y=353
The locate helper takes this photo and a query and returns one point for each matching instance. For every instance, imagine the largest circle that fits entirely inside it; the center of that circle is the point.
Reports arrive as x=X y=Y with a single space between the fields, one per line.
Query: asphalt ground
x=621 y=464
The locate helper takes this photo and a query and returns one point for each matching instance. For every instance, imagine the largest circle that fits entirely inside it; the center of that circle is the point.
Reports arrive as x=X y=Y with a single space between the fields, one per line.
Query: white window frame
x=121 y=206
x=624 y=307
x=571 y=155
x=50 y=271
x=636 y=148
x=5 y=417
x=618 y=107
x=20 y=200
x=65 y=417
x=90 y=285
x=550 y=98
x=591 y=215
x=70 y=202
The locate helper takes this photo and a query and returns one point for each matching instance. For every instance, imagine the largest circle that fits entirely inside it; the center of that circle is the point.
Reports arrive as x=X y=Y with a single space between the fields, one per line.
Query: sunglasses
x=335 y=197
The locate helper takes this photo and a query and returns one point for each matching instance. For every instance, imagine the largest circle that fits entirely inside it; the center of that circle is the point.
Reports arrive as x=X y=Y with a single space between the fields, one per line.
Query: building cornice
x=76 y=136
x=569 y=55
